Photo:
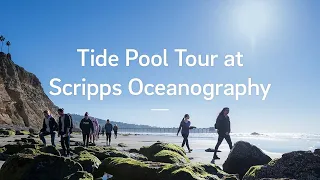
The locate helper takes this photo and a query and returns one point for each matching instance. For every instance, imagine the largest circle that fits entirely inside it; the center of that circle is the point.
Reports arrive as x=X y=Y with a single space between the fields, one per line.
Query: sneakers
x=190 y=150
x=212 y=161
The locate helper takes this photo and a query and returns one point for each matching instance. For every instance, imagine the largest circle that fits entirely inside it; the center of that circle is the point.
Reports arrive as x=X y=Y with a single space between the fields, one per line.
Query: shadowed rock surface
x=22 y=99
x=242 y=157
x=38 y=166
x=300 y=165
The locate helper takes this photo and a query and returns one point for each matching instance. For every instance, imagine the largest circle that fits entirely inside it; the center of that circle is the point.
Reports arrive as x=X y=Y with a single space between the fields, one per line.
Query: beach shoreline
x=136 y=141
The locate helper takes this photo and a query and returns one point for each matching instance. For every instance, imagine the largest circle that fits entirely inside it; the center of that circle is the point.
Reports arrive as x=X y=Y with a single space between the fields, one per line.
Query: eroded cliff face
x=22 y=99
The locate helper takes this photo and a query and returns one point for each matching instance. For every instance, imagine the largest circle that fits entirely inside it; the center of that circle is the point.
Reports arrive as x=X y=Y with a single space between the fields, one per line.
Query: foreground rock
x=242 y=157
x=89 y=162
x=38 y=166
x=166 y=153
x=104 y=152
x=123 y=168
x=303 y=165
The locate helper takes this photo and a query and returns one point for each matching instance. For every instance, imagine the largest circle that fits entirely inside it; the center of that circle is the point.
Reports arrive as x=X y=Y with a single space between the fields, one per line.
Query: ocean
x=268 y=142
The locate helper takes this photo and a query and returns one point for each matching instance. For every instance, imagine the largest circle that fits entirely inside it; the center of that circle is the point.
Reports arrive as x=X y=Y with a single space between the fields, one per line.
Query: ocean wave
x=242 y=135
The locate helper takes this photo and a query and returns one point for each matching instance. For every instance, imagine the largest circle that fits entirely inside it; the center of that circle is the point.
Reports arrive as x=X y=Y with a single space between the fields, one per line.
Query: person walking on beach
x=223 y=128
x=86 y=127
x=108 y=128
x=49 y=125
x=102 y=131
x=185 y=127
x=115 y=130
x=93 y=135
x=65 y=129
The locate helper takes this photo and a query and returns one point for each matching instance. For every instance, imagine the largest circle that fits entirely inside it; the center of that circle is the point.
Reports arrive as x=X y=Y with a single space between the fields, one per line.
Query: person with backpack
x=49 y=125
x=185 y=126
x=86 y=127
x=115 y=130
x=65 y=130
x=223 y=128
x=108 y=129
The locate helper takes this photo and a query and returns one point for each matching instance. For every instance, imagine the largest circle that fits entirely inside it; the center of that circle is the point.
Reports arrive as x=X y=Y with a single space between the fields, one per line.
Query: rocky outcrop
x=295 y=165
x=38 y=166
x=242 y=157
x=127 y=168
x=22 y=99
x=26 y=160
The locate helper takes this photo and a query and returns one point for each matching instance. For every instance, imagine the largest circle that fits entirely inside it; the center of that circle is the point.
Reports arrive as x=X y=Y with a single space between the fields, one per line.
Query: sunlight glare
x=253 y=18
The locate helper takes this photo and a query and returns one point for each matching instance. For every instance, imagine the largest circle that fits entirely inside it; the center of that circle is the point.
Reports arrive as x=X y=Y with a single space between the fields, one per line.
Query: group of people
x=91 y=129
x=222 y=125
x=89 y=126
x=64 y=128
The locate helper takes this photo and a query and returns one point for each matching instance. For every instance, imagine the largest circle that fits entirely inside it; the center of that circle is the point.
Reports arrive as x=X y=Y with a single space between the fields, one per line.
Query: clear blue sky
x=279 y=40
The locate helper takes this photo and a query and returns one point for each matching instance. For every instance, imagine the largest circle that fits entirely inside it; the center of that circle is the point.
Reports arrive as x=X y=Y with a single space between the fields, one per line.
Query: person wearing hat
x=86 y=127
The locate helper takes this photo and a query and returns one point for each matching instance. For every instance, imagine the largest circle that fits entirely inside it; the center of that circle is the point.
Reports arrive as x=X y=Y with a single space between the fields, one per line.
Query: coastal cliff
x=22 y=99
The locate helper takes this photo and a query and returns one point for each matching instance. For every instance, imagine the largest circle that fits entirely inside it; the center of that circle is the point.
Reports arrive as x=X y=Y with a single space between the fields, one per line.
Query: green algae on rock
x=167 y=156
x=126 y=168
x=43 y=166
x=293 y=165
x=89 y=162
x=154 y=149
x=7 y=132
x=30 y=151
x=27 y=141
x=104 y=152
x=80 y=175
x=16 y=148
x=197 y=171
x=51 y=150
x=22 y=132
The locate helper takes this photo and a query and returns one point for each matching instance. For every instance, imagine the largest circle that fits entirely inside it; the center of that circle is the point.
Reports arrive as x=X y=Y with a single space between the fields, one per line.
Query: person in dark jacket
x=49 y=125
x=108 y=129
x=185 y=126
x=65 y=129
x=86 y=127
x=223 y=128
x=115 y=130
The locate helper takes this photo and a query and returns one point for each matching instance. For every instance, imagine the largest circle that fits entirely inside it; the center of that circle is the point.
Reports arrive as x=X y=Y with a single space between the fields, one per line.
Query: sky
x=279 y=40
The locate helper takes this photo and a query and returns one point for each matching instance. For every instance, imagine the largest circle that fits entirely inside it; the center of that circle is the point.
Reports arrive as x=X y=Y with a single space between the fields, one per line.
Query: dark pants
x=65 y=144
x=85 y=137
x=108 y=137
x=115 y=134
x=185 y=140
x=220 y=139
x=43 y=134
